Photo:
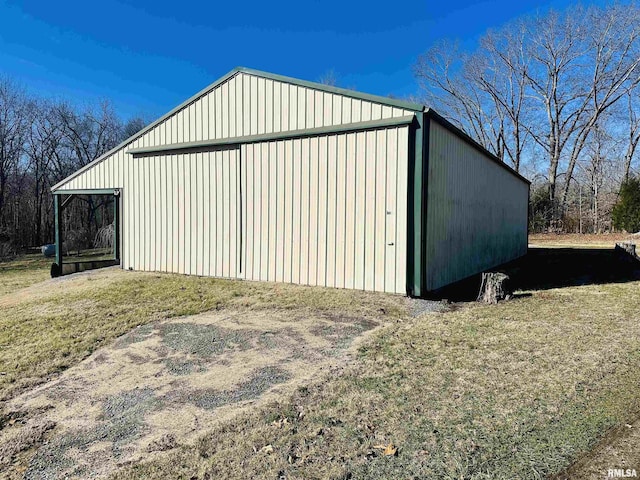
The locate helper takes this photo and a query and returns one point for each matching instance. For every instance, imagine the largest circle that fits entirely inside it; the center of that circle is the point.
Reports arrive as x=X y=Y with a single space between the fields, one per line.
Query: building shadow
x=545 y=268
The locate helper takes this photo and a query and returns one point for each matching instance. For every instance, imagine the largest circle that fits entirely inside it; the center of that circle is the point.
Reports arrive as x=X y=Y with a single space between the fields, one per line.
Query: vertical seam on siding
x=259 y=224
x=309 y=212
x=346 y=202
x=223 y=216
x=275 y=204
x=217 y=186
x=202 y=179
x=300 y=215
x=240 y=226
x=355 y=206
x=364 y=216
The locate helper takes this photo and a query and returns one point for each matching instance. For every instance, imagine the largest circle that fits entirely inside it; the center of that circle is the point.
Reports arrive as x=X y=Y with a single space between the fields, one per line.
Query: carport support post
x=57 y=208
x=116 y=226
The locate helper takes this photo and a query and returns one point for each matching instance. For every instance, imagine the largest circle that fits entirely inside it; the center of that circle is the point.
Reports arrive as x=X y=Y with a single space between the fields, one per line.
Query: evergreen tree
x=626 y=212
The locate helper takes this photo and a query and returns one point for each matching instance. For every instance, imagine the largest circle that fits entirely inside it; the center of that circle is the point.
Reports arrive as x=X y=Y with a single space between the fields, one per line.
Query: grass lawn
x=607 y=240
x=516 y=390
x=52 y=326
x=23 y=271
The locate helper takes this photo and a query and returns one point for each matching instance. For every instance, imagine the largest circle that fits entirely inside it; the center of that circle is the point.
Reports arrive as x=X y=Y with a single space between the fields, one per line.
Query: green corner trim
x=415 y=261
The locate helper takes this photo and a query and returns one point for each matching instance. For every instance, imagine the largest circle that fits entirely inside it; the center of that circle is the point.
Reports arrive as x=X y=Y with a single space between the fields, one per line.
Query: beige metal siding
x=476 y=211
x=179 y=211
x=328 y=210
x=245 y=105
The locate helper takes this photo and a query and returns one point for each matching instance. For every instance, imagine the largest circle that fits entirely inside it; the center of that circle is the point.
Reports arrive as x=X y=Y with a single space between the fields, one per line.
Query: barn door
x=327 y=210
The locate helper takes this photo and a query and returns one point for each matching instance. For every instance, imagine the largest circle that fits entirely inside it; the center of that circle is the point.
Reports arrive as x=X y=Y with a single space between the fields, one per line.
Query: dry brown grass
x=607 y=240
x=53 y=325
x=512 y=391
x=169 y=380
x=22 y=272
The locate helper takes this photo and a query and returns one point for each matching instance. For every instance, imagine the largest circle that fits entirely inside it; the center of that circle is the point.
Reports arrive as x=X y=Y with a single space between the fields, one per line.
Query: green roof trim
x=286 y=135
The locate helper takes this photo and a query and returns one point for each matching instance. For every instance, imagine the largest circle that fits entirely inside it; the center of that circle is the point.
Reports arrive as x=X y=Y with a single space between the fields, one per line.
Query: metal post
x=116 y=226
x=57 y=209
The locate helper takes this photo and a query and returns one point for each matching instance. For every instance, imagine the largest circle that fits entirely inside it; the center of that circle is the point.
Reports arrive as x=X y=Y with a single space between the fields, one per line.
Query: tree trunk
x=494 y=288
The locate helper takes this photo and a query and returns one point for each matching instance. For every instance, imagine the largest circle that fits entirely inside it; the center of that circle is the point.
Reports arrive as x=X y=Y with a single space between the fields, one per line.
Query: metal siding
x=305 y=196
x=242 y=105
x=304 y=208
x=380 y=210
x=314 y=210
x=369 y=209
x=402 y=187
x=293 y=152
x=331 y=206
x=288 y=209
x=476 y=211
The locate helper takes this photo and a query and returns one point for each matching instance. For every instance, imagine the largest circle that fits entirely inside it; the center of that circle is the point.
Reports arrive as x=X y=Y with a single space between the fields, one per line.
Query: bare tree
x=448 y=81
x=13 y=131
x=633 y=132
x=550 y=78
x=330 y=78
x=44 y=140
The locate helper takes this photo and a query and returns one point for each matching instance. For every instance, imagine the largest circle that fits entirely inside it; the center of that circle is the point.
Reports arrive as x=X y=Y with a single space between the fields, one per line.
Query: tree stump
x=494 y=288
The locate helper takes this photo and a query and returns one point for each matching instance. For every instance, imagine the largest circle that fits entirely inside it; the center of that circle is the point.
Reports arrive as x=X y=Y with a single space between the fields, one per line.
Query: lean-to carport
x=61 y=199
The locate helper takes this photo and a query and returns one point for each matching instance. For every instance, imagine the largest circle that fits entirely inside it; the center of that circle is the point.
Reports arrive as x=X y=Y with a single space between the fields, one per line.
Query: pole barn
x=265 y=177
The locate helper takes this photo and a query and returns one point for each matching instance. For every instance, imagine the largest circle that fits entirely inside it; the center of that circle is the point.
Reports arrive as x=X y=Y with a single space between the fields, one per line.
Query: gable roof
x=302 y=83
x=392 y=102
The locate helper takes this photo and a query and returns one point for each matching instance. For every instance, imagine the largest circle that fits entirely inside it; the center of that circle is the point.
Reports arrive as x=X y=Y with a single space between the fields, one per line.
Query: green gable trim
x=266 y=137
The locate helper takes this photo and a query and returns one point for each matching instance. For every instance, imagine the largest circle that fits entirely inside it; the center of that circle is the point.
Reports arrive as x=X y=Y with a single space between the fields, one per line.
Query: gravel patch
x=419 y=306
x=260 y=382
x=121 y=421
x=29 y=437
x=182 y=366
x=203 y=340
x=138 y=334
x=341 y=332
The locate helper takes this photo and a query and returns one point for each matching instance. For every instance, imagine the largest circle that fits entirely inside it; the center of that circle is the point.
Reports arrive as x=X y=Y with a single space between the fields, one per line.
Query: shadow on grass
x=545 y=268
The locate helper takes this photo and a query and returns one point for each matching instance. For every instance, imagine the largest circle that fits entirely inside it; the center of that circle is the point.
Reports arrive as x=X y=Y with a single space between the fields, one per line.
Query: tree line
x=555 y=95
x=42 y=141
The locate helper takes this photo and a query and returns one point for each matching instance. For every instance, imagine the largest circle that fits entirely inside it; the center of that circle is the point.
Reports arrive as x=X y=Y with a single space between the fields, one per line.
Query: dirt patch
x=161 y=384
x=619 y=449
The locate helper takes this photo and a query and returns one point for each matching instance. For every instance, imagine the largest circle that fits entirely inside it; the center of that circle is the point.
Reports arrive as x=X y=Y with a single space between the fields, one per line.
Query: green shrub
x=626 y=212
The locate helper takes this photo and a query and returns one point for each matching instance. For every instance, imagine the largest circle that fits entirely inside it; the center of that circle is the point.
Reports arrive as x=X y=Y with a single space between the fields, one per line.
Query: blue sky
x=147 y=57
